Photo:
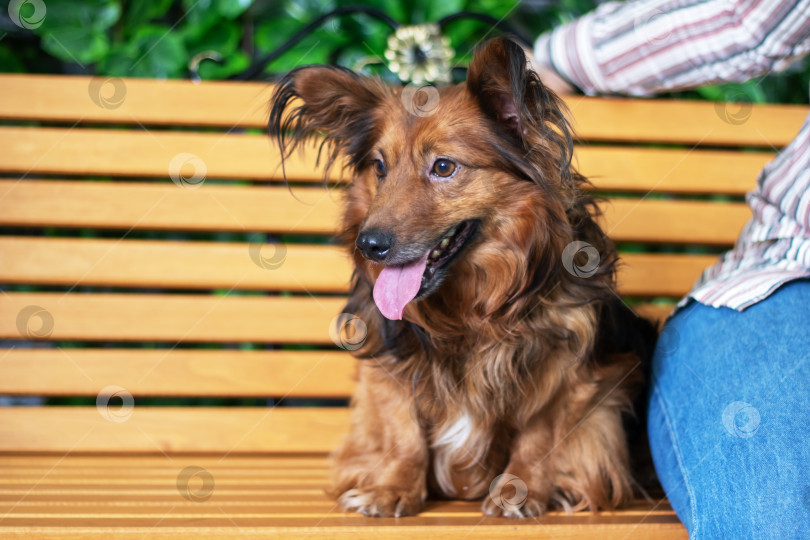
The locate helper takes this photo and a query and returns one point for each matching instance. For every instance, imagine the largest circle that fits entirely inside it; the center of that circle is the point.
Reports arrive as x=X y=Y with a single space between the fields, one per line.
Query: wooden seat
x=150 y=249
x=250 y=496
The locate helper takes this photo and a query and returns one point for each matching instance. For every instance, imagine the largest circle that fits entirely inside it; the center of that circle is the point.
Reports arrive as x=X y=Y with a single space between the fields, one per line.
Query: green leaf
x=200 y=15
x=711 y=93
x=314 y=49
x=748 y=92
x=155 y=51
x=307 y=52
x=496 y=8
x=89 y=15
x=118 y=61
x=76 y=31
x=76 y=45
x=222 y=38
x=230 y=9
x=306 y=10
x=397 y=9
x=437 y=10
x=203 y=14
x=139 y=13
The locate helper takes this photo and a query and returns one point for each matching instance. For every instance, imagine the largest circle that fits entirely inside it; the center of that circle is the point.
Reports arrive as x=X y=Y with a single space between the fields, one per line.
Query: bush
x=159 y=38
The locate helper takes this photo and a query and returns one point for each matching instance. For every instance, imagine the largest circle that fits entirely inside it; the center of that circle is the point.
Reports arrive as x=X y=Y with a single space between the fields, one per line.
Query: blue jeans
x=729 y=417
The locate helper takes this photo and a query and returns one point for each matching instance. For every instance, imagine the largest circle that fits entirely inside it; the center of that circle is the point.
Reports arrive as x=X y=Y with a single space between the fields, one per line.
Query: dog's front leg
x=525 y=488
x=381 y=469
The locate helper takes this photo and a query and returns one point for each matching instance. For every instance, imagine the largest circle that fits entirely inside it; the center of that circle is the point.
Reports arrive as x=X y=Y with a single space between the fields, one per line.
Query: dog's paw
x=531 y=506
x=382 y=501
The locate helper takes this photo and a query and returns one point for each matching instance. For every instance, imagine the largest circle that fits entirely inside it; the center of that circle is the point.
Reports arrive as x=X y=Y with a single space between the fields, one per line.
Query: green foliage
x=160 y=38
x=78 y=30
x=156 y=38
x=152 y=51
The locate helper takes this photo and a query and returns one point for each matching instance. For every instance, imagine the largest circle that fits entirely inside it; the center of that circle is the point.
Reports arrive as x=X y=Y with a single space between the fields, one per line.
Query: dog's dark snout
x=374 y=244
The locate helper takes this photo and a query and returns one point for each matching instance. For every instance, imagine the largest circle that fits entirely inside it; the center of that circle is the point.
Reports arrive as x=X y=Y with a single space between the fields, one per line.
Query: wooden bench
x=135 y=264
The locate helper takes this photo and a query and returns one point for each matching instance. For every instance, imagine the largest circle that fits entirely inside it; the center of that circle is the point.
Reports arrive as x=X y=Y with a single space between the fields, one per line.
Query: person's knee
x=665 y=450
x=727 y=420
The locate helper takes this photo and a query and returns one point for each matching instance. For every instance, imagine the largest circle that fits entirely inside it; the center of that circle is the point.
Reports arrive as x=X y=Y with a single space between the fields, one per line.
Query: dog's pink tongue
x=398 y=285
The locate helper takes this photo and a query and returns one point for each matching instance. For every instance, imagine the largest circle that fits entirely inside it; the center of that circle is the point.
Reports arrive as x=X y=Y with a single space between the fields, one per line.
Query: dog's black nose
x=374 y=244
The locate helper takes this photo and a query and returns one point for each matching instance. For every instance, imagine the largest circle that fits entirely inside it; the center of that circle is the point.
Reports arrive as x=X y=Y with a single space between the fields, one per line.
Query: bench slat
x=145 y=153
x=213 y=265
x=184 y=318
x=61 y=98
x=440 y=527
x=236 y=477
x=303 y=507
x=126 y=205
x=171 y=264
x=654 y=274
x=76 y=372
x=243 y=104
x=172 y=429
x=92 y=465
x=121 y=496
x=152 y=154
x=673 y=221
x=175 y=318
x=688 y=122
x=670 y=171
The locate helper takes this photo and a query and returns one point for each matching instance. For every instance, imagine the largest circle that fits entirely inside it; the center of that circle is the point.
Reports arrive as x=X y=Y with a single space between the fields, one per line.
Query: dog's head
x=472 y=181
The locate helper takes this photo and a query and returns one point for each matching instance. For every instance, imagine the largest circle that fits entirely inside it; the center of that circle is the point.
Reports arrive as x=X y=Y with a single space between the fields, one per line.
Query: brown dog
x=498 y=353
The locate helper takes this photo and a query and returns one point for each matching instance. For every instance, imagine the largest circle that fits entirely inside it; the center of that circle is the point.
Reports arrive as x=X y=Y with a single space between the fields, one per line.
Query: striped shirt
x=648 y=46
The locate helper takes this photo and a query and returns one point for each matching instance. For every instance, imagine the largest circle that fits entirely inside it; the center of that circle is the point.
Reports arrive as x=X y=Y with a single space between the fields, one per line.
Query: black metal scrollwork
x=415 y=53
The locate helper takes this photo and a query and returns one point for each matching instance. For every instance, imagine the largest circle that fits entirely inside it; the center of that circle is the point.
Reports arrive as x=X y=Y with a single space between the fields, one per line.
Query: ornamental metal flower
x=419 y=54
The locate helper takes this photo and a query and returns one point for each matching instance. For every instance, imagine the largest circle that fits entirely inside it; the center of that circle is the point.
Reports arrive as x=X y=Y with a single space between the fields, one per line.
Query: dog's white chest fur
x=453 y=437
x=458 y=448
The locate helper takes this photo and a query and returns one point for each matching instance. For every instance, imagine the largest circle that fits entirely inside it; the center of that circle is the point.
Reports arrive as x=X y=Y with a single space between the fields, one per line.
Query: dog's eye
x=443 y=167
x=379 y=167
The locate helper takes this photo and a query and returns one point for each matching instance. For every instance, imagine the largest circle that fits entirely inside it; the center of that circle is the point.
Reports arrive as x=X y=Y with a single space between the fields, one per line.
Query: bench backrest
x=150 y=249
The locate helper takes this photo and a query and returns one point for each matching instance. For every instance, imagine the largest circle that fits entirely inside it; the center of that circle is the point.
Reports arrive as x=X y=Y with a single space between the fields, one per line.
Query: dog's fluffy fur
x=507 y=363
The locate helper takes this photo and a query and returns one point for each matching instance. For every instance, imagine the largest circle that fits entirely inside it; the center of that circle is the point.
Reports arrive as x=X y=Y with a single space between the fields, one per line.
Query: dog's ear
x=526 y=111
x=330 y=102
